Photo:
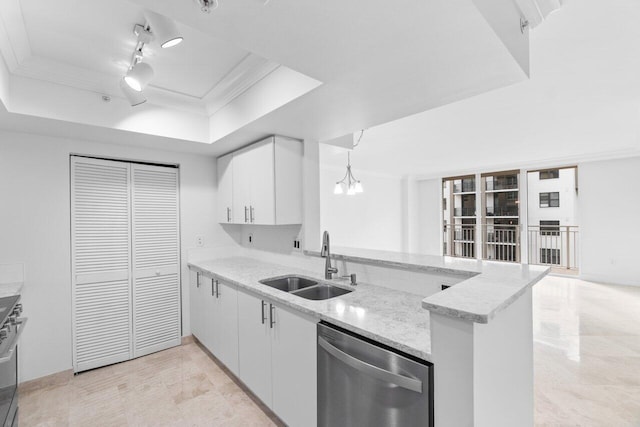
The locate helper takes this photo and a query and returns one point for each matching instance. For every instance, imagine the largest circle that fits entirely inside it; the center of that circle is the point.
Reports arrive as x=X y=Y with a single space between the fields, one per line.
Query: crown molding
x=14 y=41
x=249 y=71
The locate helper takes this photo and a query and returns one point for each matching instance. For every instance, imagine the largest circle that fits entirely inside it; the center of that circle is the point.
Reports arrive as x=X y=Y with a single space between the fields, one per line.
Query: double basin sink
x=305 y=288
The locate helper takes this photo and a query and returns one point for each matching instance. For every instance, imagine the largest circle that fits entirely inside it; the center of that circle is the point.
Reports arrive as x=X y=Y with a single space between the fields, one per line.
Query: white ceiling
x=372 y=62
x=582 y=102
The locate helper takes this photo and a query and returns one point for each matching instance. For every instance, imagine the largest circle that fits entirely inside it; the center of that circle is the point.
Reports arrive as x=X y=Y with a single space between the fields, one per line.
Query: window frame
x=548 y=195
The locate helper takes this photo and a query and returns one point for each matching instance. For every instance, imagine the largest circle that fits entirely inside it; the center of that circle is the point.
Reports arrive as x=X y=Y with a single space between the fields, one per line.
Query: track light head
x=164 y=29
x=139 y=76
x=134 y=97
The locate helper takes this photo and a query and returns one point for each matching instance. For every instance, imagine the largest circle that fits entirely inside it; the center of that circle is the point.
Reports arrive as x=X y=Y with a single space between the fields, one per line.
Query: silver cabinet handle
x=228 y=214
x=251 y=211
x=217 y=289
x=264 y=317
x=212 y=285
x=197 y=279
x=245 y=214
x=272 y=317
x=373 y=371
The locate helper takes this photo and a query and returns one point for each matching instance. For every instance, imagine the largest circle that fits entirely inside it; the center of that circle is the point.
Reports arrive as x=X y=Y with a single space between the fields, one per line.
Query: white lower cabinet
x=254 y=339
x=224 y=324
x=278 y=359
x=214 y=318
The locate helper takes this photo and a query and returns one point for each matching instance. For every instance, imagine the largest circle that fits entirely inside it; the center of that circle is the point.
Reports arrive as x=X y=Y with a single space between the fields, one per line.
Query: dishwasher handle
x=371 y=370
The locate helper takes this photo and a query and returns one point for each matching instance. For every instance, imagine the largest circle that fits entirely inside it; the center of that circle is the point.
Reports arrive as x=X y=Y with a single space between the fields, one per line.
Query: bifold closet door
x=101 y=267
x=156 y=259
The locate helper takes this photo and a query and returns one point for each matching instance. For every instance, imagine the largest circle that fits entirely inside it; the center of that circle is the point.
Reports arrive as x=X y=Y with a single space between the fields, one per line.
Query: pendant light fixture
x=349 y=182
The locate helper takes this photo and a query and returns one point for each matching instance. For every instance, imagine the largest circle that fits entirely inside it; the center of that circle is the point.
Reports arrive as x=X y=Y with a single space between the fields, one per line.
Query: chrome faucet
x=326 y=254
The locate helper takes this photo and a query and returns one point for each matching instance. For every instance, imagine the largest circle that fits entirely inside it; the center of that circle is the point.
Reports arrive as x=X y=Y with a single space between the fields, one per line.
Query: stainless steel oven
x=363 y=383
x=12 y=327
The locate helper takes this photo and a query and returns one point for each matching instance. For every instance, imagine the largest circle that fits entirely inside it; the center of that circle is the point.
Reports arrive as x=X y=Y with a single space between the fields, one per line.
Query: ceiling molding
x=249 y=71
x=14 y=41
x=550 y=162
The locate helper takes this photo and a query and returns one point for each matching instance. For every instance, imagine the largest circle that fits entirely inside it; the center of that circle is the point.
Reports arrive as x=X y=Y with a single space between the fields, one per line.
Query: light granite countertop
x=391 y=317
x=487 y=286
x=10 y=289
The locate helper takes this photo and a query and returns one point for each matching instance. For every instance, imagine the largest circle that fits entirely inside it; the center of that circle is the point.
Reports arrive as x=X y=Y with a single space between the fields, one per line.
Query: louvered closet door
x=156 y=259
x=100 y=242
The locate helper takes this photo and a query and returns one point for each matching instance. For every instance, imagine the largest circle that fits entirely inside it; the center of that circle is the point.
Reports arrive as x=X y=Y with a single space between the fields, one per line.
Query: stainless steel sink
x=289 y=283
x=321 y=292
x=305 y=288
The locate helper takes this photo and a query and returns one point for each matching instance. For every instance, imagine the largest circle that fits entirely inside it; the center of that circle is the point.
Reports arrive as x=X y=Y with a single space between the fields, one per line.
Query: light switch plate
x=199 y=241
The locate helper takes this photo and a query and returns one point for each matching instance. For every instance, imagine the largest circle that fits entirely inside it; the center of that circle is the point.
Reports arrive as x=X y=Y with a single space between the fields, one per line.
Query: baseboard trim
x=53 y=380
x=189 y=339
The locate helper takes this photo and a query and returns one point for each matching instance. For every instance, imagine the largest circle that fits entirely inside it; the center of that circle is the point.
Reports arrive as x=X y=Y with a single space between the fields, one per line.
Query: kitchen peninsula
x=477 y=332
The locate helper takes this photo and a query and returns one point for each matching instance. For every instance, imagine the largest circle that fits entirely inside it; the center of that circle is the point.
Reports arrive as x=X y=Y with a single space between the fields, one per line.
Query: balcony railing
x=493 y=211
x=501 y=242
x=554 y=245
x=502 y=185
x=460 y=240
x=464 y=212
x=465 y=187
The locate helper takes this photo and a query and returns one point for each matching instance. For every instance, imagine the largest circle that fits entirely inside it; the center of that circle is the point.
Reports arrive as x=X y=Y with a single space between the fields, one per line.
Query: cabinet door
x=225 y=190
x=254 y=345
x=260 y=161
x=208 y=301
x=195 y=300
x=241 y=186
x=225 y=326
x=294 y=366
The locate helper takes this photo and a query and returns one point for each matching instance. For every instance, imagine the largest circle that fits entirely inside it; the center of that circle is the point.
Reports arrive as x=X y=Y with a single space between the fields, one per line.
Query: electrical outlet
x=199 y=241
x=296 y=244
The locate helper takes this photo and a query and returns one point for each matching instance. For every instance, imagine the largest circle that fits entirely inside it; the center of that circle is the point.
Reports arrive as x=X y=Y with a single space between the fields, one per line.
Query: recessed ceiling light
x=139 y=76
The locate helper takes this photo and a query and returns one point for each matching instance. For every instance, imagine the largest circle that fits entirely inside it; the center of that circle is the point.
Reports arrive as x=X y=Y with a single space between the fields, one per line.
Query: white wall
x=429 y=208
x=608 y=205
x=35 y=229
x=372 y=219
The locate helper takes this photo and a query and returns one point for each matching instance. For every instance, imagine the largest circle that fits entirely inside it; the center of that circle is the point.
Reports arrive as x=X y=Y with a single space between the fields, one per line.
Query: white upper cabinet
x=225 y=189
x=265 y=183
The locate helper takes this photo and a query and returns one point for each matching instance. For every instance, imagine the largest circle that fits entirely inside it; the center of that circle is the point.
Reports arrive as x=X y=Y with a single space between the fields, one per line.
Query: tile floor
x=176 y=387
x=587 y=373
x=586 y=353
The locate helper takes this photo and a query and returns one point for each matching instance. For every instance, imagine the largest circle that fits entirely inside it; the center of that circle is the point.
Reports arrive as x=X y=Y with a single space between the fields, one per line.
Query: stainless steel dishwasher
x=365 y=384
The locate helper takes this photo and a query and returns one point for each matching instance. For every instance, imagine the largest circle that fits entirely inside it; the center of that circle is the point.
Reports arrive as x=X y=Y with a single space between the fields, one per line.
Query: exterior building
x=552 y=217
x=484 y=221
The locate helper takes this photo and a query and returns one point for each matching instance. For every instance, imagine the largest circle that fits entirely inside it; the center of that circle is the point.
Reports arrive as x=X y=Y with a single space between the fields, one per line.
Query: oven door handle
x=20 y=323
x=371 y=370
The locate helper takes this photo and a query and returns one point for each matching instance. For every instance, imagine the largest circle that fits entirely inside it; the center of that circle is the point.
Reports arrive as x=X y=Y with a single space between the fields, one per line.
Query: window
x=549 y=228
x=550 y=174
x=550 y=200
x=550 y=256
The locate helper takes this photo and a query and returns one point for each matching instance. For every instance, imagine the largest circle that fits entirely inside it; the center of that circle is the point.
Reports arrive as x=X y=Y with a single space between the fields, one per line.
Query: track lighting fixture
x=134 y=97
x=139 y=76
x=164 y=30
